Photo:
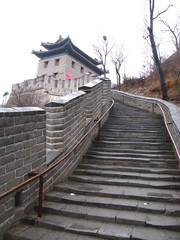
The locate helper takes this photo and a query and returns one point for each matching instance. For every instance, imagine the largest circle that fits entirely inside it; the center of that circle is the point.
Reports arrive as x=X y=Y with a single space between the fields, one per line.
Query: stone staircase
x=126 y=187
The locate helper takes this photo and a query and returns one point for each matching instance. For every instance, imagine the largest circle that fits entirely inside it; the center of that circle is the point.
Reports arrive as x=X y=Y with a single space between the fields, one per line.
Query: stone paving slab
x=117 y=203
x=113 y=215
x=102 y=230
x=149 y=194
x=24 y=232
x=127 y=174
x=172 y=172
x=126 y=181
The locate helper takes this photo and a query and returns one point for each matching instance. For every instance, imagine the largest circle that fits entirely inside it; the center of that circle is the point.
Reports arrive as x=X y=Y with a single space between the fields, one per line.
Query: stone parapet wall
x=66 y=121
x=171 y=111
x=22 y=150
x=67 y=118
x=94 y=91
x=52 y=85
x=28 y=135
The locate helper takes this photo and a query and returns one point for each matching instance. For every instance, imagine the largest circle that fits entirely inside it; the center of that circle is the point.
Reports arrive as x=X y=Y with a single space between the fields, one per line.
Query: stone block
x=41 y=139
x=14 y=148
x=2 y=170
x=14 y=130
x=25 y=170
x=7 y=177
x=7 y=159
x=22 y=154
x=7 y=141
x=36 y=133
x=2 y=132
x=22 y=137
x=38 y=148
x=2 y=151
x=41 y=125
x=14 y=182
x=30 y=143
x=7 y=214
x=10 y=166
x=28 y=127
x=6 y=122
x=38 y=163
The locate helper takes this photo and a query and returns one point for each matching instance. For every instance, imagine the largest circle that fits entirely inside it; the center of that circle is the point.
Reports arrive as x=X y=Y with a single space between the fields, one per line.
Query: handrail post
x=165 y=134
x=99 y=129
x=152 y=107
x=41 y=179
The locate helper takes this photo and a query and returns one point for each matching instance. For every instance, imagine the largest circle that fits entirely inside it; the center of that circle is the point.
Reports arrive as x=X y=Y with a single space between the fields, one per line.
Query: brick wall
x=24 y=135
x=66 y=121
x=22 y=150
x=53 y=86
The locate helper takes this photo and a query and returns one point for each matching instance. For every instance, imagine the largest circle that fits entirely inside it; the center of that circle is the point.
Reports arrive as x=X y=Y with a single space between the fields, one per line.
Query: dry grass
x=151 y=86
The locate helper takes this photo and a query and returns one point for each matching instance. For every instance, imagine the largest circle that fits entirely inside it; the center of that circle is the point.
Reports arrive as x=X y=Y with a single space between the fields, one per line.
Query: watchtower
x=63 y=60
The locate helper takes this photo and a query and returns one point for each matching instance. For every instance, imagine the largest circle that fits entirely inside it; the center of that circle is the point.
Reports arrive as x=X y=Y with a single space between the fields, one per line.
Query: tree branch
x=162 y=12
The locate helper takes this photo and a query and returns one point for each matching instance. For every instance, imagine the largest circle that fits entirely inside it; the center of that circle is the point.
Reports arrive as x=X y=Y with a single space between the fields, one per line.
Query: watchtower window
x=46 y=64
x=55 y=75
x=57 y=61
x=73 y=64
x=82 y=70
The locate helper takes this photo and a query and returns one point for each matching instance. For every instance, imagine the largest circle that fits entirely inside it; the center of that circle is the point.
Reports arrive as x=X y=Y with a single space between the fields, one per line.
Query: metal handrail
x=41 y=175
x=164 y=117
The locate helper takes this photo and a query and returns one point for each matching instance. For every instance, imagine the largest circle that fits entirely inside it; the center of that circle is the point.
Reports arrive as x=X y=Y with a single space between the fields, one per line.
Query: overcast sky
x=24 y=24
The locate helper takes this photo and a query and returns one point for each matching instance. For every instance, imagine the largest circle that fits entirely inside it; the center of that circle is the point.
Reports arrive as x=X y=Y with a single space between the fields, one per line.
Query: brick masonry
x=27 y=134
x=22 y=150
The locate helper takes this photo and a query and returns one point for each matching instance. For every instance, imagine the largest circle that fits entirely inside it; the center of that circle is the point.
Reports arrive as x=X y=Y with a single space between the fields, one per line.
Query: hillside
x=151 y=86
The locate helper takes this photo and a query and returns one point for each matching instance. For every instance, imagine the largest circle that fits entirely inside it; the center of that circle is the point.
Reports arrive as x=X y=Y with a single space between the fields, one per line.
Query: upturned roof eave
x=50 y=46
x=63 y=43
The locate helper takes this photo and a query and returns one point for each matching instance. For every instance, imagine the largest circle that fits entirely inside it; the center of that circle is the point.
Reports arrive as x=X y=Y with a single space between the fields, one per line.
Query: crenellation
x=51 y=85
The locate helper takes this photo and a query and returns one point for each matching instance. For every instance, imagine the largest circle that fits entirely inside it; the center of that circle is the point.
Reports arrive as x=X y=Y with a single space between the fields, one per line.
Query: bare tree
x=154 y=48
x=117 y=59
x=22 y=98
x=175 y=32
x=102 y=51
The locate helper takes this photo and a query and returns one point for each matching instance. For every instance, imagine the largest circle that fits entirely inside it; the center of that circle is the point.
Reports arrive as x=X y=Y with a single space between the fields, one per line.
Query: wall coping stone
x=105 y=79
x=66 y=99
x=4 y=112
x=91 y=84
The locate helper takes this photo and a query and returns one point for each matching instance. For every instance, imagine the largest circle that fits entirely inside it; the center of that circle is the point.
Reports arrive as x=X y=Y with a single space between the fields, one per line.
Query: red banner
x=68 y=76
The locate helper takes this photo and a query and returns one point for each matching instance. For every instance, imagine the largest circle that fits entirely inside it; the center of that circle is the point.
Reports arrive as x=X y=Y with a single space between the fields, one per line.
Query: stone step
x=132 y=154
x=130 y=139
x=122 y=169
x=128 y=182
x=89 y=229
x=133 y=145
x=30 y=232
x=130 y=135
x=169 y=209
x=126 y=159
x=127 y=175
x=112 y=215
x=135 y=124
x=135 y=151
x=138 y=193
x=141 y=129
x=129 y=120
x=140 y=115
x=131 y=163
